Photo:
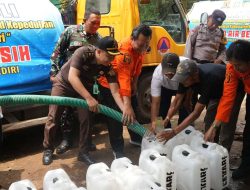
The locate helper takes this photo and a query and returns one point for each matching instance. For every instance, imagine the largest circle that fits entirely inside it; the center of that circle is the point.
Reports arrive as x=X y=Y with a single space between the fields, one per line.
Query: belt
x=202 y=61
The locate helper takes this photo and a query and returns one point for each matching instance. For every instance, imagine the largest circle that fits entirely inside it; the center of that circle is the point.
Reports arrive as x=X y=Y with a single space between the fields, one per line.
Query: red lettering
x=247 y=34
x=230 y=33
x=24 y=53
x=236 y=33
x=5 y=55
x=15 y=53
x=243 y=34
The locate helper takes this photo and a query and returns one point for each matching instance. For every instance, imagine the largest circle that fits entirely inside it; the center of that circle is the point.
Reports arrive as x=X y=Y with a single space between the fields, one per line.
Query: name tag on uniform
x=127 y=58
x=77 y=43
x=96 y=89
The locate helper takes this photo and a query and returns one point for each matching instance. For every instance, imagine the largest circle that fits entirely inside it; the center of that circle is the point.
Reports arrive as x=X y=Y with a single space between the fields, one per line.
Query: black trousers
x=115 y=128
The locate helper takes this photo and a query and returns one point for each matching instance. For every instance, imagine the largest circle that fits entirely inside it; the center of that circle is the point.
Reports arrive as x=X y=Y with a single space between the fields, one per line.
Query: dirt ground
x=22 y=156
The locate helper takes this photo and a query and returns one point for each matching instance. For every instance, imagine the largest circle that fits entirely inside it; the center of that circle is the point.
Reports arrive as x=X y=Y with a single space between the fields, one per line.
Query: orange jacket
x=127 y=66
x=230 y=90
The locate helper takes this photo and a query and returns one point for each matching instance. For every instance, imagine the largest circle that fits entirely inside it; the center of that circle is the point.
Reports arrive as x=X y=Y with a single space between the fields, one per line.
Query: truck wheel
x=144 y=98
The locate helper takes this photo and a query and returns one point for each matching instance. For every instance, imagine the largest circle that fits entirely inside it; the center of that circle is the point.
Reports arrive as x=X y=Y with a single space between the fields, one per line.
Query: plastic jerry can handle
x=188 y=132
x=185 y=153
x=204 y=145
x=152 y=157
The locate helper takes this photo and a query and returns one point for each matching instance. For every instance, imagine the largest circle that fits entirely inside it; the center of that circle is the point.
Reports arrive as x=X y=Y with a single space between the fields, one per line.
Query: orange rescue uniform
x=230 y=90
x=127 y=66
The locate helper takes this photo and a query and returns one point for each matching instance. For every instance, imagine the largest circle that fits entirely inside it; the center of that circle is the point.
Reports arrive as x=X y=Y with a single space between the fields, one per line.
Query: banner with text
x=28 y=32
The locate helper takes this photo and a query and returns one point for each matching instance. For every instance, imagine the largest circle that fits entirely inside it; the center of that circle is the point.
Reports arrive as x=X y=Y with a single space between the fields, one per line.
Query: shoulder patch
x=90 y=51
x=127 y=58
x=90 y=54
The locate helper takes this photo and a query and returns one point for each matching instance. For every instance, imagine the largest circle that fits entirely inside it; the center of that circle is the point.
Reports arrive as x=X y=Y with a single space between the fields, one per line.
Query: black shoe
x=92 y=147
x=86 y=159
x=63 y=147
x=241 y=173
x=118 y=155
x=47 y=157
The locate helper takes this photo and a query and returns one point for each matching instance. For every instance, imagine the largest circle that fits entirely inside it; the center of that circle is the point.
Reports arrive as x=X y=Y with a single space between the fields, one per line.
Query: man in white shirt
x=163 y=88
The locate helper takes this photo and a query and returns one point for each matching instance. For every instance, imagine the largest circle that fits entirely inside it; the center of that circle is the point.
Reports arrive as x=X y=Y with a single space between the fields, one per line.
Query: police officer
x=77 y=78
x=205 y=43
x=73 y=37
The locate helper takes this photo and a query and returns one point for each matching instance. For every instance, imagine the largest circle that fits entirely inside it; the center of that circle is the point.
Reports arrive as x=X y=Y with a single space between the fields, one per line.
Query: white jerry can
x=218 y=159
x=133 y=177
x=150 y=141
x=160 y=167
x=99 y=176
x=22 y=185
x=192 y=168
x=190 y=133
x=120 y=165
x=57 y=179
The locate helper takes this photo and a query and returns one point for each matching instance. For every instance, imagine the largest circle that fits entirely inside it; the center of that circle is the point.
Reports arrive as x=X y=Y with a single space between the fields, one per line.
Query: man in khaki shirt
x=77 y=78
x=205 y=43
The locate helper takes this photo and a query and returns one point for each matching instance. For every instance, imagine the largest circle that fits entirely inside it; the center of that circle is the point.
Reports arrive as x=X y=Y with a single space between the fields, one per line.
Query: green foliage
x=148 y=12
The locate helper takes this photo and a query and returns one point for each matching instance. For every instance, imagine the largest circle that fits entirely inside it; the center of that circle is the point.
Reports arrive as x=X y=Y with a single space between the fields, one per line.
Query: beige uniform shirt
x=205 y=45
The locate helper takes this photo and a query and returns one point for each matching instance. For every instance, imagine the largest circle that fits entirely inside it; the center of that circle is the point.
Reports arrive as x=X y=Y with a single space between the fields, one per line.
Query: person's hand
x=92 y=103
x=128 y=115
x=166 y=121
x=165 y=135
x=217 y=61
x=210 y=134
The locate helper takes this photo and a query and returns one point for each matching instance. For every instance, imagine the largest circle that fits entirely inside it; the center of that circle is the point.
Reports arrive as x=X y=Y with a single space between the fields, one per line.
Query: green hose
x=66 y=101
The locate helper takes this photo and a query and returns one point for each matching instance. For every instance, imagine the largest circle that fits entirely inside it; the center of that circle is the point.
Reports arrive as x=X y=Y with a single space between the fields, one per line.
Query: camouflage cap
x=185 y=69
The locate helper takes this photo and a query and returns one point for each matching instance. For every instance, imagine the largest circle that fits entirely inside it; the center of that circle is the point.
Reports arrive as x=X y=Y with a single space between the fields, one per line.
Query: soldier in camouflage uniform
x=73 y=37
